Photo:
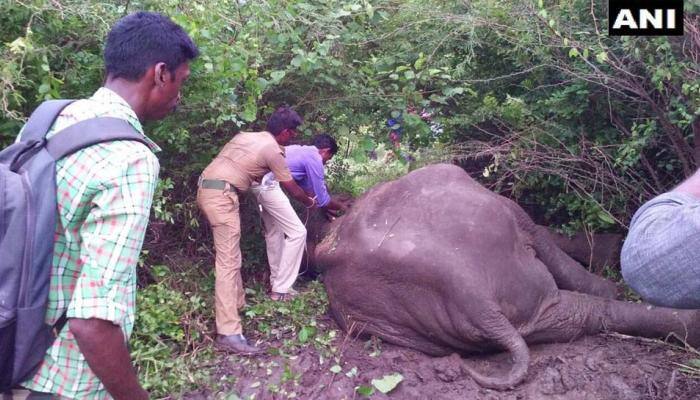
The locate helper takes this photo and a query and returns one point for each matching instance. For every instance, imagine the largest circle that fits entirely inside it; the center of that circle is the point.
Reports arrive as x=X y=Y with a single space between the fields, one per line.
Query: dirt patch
x=596 y=368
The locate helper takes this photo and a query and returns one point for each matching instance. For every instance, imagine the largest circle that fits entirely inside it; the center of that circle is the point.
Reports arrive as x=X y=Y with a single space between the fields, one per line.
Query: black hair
x=325 y=141
x=283 y=118
x=143 y=39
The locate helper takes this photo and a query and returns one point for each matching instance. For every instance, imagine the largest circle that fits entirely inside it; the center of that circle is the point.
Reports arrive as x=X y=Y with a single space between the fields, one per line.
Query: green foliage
x=539 y=88
x=356 y=177
x=295 y=322
x=172 y=315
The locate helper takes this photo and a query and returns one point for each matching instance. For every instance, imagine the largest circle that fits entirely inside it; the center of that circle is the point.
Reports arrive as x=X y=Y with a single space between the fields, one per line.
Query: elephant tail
x=504 y=334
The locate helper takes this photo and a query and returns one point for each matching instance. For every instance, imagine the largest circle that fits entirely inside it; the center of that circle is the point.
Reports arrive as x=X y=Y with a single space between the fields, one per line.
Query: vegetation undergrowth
x=169 y=343
x=296 y=322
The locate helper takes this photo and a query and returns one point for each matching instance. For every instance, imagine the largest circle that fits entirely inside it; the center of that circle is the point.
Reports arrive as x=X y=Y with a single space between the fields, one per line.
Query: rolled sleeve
x=274 y=157
x=111 y=240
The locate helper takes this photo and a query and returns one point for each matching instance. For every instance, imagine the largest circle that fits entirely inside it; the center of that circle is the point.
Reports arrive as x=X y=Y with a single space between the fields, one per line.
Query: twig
x=387 y=232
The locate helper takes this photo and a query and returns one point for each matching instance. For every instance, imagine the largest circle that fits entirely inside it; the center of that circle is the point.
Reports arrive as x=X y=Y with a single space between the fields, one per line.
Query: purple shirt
x=306 y=167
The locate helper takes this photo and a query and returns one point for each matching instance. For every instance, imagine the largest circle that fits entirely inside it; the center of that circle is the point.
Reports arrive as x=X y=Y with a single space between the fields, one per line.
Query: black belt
x=217 y=184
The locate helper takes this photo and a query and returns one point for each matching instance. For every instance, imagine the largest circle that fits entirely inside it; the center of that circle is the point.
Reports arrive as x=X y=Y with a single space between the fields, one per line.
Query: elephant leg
x=577 y=314
x=568 y=274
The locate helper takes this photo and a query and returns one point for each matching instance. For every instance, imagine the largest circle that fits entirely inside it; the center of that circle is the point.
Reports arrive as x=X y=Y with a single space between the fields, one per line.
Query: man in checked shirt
x=104 y=197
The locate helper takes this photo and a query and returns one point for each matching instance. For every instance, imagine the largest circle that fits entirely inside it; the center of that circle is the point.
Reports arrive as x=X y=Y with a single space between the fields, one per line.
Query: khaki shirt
x=247 y=158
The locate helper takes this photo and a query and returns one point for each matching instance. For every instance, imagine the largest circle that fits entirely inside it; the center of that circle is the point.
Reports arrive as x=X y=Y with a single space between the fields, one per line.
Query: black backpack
x=28 y=214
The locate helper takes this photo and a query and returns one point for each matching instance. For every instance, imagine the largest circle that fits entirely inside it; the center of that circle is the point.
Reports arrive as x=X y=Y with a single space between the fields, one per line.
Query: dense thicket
x=533 y=97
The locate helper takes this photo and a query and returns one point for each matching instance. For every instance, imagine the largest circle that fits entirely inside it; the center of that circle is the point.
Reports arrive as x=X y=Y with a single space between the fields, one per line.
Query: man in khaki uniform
x=244 y=160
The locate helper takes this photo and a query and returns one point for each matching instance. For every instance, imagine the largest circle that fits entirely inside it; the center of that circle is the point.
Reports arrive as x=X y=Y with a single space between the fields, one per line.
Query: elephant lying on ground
x=436 y=262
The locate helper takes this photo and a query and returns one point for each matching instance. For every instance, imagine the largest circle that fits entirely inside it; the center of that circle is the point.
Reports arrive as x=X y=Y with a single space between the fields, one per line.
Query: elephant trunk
x=507 y=337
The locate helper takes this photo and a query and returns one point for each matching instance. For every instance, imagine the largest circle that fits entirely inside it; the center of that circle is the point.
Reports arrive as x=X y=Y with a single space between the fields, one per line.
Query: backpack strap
x=89 y=132
x=42 y=118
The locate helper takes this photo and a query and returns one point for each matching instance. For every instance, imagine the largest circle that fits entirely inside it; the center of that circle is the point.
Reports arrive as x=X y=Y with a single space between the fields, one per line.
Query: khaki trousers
x=285 y=235
x=221 y=210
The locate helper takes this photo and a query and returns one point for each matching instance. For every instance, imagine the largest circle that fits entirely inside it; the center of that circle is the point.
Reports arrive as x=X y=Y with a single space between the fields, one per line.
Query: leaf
x=297 y=60
x=369 y=10
x=44 y=88
x=364 y=390
x=585 y=53
x=695 y=362
x=419 y=62
x=605 y=217
x=305 y=333
x=249 y=113
x=409 y=74
x=336 y=369
x=601 y=57
x=277 y=76
x=451 y=91
x=387 y=383
x=573 y=52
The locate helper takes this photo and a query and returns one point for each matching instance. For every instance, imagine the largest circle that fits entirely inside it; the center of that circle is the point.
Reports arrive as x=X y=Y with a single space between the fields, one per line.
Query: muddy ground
x=596 y=368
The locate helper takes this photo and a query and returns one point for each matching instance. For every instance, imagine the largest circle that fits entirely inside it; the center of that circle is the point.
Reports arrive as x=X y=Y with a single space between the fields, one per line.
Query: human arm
x=278 y=165
x=297 y=193
x=335 y=205
x=315 y=178
x=104 y=348
x=690 y=185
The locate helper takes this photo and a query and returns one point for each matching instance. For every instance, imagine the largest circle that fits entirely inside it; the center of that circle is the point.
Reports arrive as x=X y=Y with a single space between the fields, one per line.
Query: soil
x=598 y=367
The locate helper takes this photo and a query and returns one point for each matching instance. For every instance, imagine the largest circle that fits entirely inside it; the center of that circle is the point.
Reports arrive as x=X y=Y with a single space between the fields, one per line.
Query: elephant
x=436 y=262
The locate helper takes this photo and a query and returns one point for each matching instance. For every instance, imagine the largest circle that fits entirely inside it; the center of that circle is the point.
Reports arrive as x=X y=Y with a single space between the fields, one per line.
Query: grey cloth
x=661 y=256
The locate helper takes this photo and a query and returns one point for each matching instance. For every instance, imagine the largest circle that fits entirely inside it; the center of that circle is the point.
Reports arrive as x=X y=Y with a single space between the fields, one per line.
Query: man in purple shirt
x=285 y=234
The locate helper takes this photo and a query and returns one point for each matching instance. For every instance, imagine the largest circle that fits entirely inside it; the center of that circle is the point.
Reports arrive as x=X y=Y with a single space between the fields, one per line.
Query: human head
x=150 y=51
x=283 y=124
x=326 y=145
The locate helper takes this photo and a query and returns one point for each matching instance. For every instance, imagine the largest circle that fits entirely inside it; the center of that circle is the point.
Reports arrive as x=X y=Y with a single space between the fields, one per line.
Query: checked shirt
x=104 y=195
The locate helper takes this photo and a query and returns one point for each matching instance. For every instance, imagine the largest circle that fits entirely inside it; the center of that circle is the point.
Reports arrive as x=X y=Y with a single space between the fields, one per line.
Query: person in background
x=660 y=258
x=244 y=160
x=104 y=198
x=285 y=234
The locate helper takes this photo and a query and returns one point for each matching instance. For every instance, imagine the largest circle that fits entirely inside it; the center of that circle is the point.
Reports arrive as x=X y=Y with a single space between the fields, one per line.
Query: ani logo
x=645 y=17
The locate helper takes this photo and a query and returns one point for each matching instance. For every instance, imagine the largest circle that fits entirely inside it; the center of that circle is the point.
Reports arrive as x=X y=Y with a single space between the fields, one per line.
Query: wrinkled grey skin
x=436 y=262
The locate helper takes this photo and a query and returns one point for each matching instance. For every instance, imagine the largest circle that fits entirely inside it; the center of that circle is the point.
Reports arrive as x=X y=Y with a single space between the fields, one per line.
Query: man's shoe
x=290 y=295
x=236 y=344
